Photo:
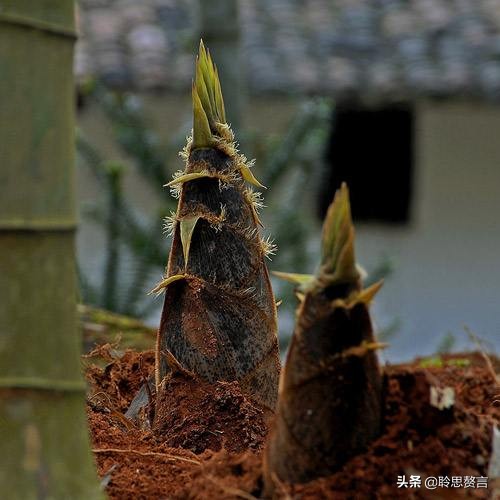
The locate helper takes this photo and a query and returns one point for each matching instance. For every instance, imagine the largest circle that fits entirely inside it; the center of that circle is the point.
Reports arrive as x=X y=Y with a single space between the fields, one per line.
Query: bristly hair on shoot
x=219 y=316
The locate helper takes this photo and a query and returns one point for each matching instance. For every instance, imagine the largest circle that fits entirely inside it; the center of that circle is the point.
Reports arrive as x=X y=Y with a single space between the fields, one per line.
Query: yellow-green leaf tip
x=187 y=226
x=297 y=279
x=165 y=282
x=208 y=103
x=338 y=263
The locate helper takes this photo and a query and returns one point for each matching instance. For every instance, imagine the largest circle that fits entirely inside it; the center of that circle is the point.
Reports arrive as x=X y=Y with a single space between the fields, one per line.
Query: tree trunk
x=43 y=431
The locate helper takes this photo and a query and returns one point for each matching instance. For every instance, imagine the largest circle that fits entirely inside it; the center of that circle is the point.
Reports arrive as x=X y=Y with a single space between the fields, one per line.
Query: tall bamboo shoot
x=219 y=314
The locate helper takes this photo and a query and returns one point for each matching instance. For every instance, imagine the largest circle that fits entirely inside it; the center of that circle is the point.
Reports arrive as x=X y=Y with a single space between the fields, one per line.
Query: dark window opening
x=372 y=151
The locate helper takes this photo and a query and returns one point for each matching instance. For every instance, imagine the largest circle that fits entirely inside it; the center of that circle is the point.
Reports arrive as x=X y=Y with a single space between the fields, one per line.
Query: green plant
x=125 y=231
x=439 y=362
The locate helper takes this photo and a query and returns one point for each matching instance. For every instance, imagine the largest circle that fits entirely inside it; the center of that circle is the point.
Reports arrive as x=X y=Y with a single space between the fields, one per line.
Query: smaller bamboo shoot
x=329 y=406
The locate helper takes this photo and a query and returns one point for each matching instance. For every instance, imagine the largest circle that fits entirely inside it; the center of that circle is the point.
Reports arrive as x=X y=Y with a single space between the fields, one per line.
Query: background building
x=414 y=128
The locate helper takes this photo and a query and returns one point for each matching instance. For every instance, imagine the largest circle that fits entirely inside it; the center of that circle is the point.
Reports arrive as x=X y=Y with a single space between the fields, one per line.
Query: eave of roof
x=384 y=49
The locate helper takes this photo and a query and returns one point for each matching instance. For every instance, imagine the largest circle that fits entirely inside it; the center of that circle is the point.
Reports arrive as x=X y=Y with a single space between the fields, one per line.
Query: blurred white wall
x=447 y=260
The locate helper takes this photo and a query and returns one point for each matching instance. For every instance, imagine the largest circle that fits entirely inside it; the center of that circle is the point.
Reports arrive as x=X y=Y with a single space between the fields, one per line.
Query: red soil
x=208 y=439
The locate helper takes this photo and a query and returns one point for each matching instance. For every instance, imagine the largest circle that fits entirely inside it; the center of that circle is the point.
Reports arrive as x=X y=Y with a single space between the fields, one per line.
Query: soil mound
x=195 y=415
x=208 y=438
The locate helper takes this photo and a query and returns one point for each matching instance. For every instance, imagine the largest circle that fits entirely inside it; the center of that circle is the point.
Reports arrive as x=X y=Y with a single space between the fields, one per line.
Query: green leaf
x=366 y=295
x=338 y=262
x=187 y=226
x=165 y=282
x=208 y=104
x=202 y=136
x=187 y=177
x=298 y=279
x=247 y=175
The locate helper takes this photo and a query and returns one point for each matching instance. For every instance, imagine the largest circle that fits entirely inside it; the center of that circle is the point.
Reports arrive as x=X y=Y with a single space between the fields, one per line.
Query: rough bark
x=43 y=431
x=330 y=403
